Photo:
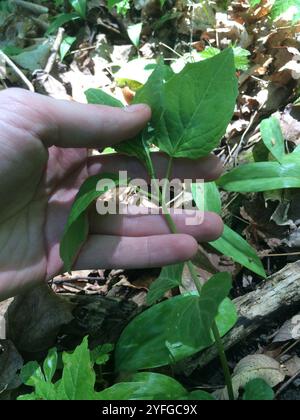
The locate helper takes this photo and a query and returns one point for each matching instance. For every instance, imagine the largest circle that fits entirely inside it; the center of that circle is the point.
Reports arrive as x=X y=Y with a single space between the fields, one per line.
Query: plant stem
x=223 y=360
x=195 y=278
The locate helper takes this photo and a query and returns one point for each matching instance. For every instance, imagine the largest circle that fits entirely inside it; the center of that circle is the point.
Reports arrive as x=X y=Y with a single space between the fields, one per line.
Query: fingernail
x=136 y=108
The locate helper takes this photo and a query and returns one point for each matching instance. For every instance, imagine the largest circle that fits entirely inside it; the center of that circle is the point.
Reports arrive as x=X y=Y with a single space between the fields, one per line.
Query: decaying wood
x=276 y=293
x=34 y=320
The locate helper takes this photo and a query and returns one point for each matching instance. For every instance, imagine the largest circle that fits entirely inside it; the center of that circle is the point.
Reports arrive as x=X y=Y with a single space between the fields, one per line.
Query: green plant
x=122 y=6
x=82 y=372
x=274 y=169
x=189 y=116
x=79 y=12
x=184 y=124
x=258 y=390
x=241 y=55
x=79 y=376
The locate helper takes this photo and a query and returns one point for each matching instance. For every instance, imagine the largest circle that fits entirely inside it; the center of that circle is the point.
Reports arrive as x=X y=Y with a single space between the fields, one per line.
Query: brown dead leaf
x=289 y=331
x=253 y=367
x=292 y=366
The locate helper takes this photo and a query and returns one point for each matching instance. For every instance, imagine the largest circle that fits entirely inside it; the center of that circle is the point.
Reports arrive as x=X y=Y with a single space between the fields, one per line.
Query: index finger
x=70 y=124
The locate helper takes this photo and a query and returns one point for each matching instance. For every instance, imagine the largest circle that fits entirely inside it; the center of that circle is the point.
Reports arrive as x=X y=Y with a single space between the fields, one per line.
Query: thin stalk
x=223 y=360
x=194 y=275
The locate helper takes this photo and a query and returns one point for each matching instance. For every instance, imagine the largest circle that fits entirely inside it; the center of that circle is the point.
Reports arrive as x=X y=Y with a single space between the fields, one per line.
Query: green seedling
x=190 y=114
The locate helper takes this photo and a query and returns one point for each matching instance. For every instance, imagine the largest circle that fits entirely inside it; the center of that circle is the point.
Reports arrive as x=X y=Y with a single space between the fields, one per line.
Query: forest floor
x=110 y=49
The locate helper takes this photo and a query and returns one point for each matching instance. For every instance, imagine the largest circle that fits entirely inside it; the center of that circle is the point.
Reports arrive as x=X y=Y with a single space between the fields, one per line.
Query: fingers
x=124 y=252
x=70 y=124
x=208 y=168
x=210 y=229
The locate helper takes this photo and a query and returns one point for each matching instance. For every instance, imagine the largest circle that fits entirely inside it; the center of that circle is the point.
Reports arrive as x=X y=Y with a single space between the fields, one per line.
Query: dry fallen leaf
x=253 y=367
x=292 y=366
x=289 y=331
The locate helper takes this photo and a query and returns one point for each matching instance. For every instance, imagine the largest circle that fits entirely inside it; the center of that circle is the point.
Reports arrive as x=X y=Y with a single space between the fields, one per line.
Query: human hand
x=43 y=162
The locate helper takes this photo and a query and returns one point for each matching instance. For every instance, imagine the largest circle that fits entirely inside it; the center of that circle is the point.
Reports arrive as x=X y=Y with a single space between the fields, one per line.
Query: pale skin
x=43 y=162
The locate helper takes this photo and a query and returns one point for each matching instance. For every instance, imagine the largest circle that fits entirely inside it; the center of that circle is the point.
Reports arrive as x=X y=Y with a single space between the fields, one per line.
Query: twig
x=31 y=7
x=289 y=348
x=78 y=278
x=92 y=47
x=17 y=71
x=242 y=142
x=288 y=254
x=54 y=50
x=287 y=383
x=169 y=48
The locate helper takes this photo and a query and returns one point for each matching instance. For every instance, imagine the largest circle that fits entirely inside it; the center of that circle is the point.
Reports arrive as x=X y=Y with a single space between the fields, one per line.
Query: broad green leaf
x=122 y=6
x=78 y=379
x=198 y=104
x=165 y=333
x=233 y=245
x=145 y=386
x=212 y=198
x=80 y=7
x=112 y=3
x=152 y=93
x=101 y=354
x=263 y=176
x=60 y=20
x=33 y=58
x=66 y=45
x=74 y=237
x=158 y=386
x=281 y=7
x=134 y=33
x=169 y=277
x=258 y=390
x=227 y=316
x=31 y=374
x=241 y=55
x=99 y=97
x=260 y=152
x=137 y=147
x=45 y=391
x=241 y=58
x=77 y=227
x=50 y=364
x=121 y=391
x=272 y=137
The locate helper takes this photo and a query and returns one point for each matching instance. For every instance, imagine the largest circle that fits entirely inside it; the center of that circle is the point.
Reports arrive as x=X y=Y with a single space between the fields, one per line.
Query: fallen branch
x=32 y=7
x=54 y=50
x=22 y=76
x=278 y=292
